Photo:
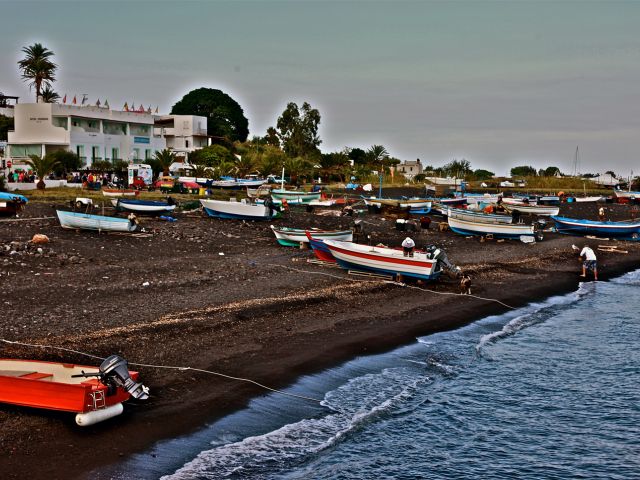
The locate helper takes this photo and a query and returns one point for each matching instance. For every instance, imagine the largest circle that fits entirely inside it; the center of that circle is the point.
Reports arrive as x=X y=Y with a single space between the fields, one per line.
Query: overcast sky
x=498 y=83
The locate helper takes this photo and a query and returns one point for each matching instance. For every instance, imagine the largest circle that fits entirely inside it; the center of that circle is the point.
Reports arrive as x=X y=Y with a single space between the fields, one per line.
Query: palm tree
x=37 y=68
x=377 y=153
x=244 y=166
x=298 y=167
x=42 y=167
x=200 y=171
x=49 y=96
x=165 y=158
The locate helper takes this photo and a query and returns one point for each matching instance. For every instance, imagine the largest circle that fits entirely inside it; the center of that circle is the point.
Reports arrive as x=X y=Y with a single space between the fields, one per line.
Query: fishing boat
x=116 y=192
x=258 y=192
x=319 y=249
x=479 y=198
x=143 y=206
x=478 y=216
x=11 y=203
x=627 y=230
x=84 y=221
x=628 y=194
x=548 y=200
x=388 y=261
x=497 y=230
x=440 y=205
x=412 y=203
x=293 y=237
x=518 y=201
x=294 y=196
x=589 y=199
x=238 y=210
x=542 y=210
x=95 y=394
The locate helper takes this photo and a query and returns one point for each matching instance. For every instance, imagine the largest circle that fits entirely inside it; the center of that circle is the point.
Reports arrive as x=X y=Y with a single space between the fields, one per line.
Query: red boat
x=93 y=393
x=319 y=249
x=117 y=192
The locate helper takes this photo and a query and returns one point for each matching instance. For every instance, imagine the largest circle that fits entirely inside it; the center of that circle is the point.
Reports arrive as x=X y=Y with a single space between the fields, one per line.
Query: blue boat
x=143 y=206
x=628 y=230
x=238 y=210
x=84 y=221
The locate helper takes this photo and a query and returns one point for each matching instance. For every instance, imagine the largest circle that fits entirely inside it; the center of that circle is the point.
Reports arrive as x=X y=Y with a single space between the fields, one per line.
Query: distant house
x=604 y=179
x=409 y=168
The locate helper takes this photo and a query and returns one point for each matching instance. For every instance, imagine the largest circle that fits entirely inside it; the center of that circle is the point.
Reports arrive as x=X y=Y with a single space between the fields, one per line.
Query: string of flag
x=84 y=101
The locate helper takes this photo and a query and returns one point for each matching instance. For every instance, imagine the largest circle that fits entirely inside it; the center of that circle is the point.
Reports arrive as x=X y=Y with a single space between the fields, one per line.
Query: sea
x=548 y=391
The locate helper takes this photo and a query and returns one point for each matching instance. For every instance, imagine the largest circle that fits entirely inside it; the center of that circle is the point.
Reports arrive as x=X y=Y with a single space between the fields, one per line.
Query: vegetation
x=37 y=67
x=66 y=161
x=48 y=95
x=6 y=124
x=42 y=167
x=297 y=131
x=225 y=117
x=523 y=171
x=162 y=161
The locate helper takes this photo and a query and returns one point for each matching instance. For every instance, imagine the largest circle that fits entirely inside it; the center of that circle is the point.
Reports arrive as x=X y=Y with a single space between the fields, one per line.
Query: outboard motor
x=435 y=253
x=115 y=371
x=538 y=227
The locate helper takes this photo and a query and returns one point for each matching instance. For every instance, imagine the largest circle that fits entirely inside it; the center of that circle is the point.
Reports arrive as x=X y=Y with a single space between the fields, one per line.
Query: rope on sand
x=167 y=367
x=400 y=284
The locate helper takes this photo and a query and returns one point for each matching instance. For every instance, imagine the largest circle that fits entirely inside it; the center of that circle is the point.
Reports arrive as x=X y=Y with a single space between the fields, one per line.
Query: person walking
x=589 y=262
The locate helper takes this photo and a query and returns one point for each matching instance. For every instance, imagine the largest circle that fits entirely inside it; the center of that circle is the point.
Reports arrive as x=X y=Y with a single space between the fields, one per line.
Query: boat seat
x=37 y=376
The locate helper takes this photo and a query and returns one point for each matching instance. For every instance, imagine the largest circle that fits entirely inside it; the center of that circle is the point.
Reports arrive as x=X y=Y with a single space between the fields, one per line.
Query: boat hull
x=619 y=230
x=535 y=209
x=293 y=237
x=320 y=250
x=388 y=261
x=291 y=196
x=465 y=227
x=112 y=192
x=83 y=221
x=236 y=210
x=143 y=207
x=481 y=217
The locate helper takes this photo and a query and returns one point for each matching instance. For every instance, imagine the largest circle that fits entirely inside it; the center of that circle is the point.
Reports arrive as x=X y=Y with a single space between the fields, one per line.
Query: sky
x=497 y=83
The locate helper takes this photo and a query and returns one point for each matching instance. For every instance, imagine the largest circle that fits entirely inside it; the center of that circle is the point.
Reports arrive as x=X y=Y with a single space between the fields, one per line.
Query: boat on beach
x=497 y=230
x=294 y=196
x=11 y=203
x=627 y=230
x=628 y=194
x=589 y=199
x=478 y=216
x=238 y=210
x=116 y=192
x=293 y=237
x=542 y=210
x=149 y=207
x=383 y=260
x=94 y=394
x=319 y=249
x=100 y=223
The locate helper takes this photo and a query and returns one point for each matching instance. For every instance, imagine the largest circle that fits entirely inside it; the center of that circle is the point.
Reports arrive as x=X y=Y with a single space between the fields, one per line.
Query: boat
x=534 y=209
x=11 y=203
x=294 y=196
x=478 y=216
x=548 y=200
x=116 y=192
x=628 y=194
x=518 y=201
x=383 y=260
x=143 y=206
x=440 y=205
x=293 y=237
x=95 y=394
x=258 y=192
x=85 y=221
x=480 y=198
x=238 y=210
x=411 y=203
x=319 y=249
x=589 y=199
x=498 y=230
x=626 y=230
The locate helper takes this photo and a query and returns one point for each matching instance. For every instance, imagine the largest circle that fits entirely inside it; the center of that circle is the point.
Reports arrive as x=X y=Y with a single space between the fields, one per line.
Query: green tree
x=481 y=174
x=225 y=117
x=298 y=168
x=120 y=166
x=457 y=168
x=42 y=167
x=551 y=171
x=523 y=171
x=244 y=166
x=37 y=67
x=101 y=166
x=66 y=161
x=48 y=95
x=336 y=164
x=358 y=155
x=200 y=171
x=6 y=124
x=164 y=159
x=376 y=155
x=298 y=131
x=270 y=162
x=271 y=138
x=211 y=156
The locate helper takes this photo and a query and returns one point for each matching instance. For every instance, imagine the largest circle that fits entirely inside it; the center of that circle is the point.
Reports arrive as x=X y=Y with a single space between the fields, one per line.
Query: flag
x=141 y=109
x=149 y=109
x=133 y=107
x=74 y=100
x=126 y=107
x=156 y=109
x=106 y=103
x=64 y=100
x=98 y=103
x=84 y=99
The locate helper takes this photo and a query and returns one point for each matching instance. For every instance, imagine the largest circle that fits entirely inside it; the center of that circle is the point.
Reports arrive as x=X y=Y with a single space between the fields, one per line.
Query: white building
x=183 y=133
x=410 y=168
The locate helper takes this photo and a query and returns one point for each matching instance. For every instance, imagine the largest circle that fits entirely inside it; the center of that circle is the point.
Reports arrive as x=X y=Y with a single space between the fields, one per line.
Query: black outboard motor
x=115 y=371
x=538 y=227
x=435 y=253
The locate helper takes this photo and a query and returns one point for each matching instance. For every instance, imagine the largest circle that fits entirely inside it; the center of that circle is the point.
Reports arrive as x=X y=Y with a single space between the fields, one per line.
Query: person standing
x=601 y=216
x=407 y=247
x=589 y=262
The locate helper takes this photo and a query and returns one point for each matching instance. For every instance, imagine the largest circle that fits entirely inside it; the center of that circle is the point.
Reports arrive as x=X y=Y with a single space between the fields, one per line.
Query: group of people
x=21 y=177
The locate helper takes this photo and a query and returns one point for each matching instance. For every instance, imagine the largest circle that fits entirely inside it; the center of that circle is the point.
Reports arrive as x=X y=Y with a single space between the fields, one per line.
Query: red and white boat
x=116 y=192
x=388 y=261
x=95 y=394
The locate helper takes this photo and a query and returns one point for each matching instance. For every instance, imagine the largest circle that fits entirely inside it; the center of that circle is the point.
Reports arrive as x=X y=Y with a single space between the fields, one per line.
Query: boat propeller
x=114 y=372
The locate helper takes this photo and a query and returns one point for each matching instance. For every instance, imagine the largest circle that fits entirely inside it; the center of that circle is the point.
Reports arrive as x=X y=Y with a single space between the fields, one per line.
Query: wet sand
x=259 y=311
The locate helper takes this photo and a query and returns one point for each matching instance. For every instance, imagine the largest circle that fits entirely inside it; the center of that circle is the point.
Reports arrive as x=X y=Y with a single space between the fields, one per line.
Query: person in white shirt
x=589 y=262
x=407 y=246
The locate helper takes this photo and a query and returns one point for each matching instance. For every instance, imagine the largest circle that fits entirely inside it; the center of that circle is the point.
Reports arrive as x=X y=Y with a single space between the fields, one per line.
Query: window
x=136 y=154
x=115 y=154
x=80 y=150
x=147 y=154
x=186 y=143
x=95 y=153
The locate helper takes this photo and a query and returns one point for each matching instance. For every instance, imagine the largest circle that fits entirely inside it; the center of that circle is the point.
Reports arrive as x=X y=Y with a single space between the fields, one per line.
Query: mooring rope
x=392 y=282
x=168 y=367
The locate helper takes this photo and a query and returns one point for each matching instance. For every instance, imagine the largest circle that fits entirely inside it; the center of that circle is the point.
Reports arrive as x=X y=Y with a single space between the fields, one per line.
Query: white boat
x=116 y=192
x=478 y=216
x=237 y=210
x=589 y=199
x=498 y=230
x=412 y=203
x=628 y=194
x=329 y=202
x=534 y=209
x=476 y=199
x=294 y=196
x=292 y=237
x=143 y=206
x=84 y=221
x=517 y=201
x=355 y=256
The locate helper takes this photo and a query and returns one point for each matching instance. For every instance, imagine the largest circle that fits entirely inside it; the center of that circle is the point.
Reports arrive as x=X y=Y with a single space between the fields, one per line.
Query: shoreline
x=248 y=330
